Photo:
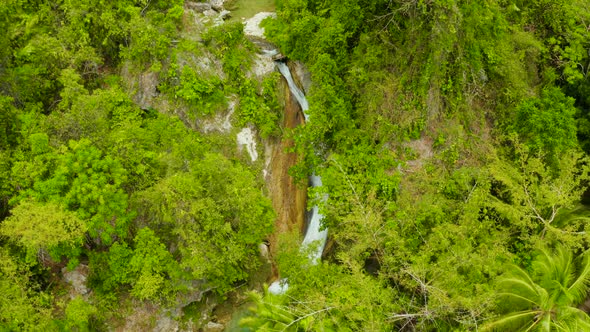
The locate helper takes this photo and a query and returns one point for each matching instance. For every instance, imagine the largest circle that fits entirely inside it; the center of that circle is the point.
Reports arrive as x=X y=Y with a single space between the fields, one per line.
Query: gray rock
x=198 y=7
x=210 y=13
x=303 y=74
x=225 y=14
x=263 y=248
x=147 y=89
x=214 y=327
x=217 y=4
x=252 y=25
x=166 y=324
x=77 y=278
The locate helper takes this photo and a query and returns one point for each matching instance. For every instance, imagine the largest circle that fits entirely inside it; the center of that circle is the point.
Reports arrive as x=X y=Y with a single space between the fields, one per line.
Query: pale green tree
x=545 y=299
x=47 y=226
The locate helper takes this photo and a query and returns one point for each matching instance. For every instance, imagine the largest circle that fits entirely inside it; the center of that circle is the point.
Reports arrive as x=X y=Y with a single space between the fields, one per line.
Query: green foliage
x=529 y=194
x=229 y=43
x=215 y=214
x=325 y=297
x=202 y=93
x=547 y=298
x=46 y=226
x=151 y=35
x=79 y=313
x=145 y=268
x=8 y=122
x=22 y=308
x=413 y=246
x=149 y=267
x=547 y=124
x=152 y=266
x=260 y=110
x=269 y=314
x=89 y=185
x=91 y=116
x=442 y=249
x=9 y=136
x=562 y=27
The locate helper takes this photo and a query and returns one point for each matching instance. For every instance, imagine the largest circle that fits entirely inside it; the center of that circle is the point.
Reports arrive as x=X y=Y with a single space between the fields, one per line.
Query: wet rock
x=142 y=87
x=210 y=13
x=263 y=66
x=215 y=17
x=268 y=155
x=147 y=90
x=302 y=75
x=289 y=198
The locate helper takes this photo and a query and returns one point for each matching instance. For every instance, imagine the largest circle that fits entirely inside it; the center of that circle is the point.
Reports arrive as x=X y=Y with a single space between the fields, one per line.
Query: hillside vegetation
x=452 y=138
x=453 y=147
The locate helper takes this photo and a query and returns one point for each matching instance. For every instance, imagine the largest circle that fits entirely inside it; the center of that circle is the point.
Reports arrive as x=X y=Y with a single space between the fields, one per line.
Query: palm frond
x=511 y=321
x=519 y=282
x=578 y=290
x=545 y=323
x=530 y=301
x=572 y=319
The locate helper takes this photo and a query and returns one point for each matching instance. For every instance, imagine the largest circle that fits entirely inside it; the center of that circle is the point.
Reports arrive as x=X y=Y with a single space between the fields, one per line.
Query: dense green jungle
x=158 y=173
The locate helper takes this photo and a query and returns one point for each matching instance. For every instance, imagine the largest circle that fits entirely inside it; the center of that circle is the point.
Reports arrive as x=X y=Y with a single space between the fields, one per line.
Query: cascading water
x=299 y=95
x=313 y=235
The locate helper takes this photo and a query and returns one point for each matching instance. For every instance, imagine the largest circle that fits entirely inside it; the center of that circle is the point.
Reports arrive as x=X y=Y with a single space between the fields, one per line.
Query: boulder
x=264 y=254
x=217 y=4
x=214 y=327
x=198 y=7
x=262 y=67
x=252 y=26
x=77 y=278
x=225 y=14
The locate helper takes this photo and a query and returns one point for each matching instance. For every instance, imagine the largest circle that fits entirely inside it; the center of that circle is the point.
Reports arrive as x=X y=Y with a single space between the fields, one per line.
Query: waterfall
x=299 y=95
x=313 y=235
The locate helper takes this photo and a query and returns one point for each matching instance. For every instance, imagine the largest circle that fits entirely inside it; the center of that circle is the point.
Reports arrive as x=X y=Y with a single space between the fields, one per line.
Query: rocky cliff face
x=289 y=198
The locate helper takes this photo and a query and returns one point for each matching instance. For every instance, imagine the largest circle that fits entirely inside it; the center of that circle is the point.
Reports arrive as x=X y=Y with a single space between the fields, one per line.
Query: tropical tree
x=215 y=214
x=46 y=226
x=545 y=299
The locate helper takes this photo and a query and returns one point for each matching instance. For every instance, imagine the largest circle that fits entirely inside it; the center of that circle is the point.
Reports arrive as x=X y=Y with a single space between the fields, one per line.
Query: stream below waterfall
x=313 y=234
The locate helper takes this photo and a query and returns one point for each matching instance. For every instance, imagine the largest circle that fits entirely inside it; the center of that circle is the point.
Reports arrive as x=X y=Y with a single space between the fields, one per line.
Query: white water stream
x=299 y=95
x=313 y=235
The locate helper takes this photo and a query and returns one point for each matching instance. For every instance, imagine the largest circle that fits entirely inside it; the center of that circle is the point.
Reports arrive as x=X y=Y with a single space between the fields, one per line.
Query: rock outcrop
x=198 y=7
x=77 y=279
x=252 y=26
x=289 y=198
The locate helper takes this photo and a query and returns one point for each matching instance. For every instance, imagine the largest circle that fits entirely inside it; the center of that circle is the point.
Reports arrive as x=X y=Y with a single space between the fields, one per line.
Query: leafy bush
x=547 y=124
x=199 y=92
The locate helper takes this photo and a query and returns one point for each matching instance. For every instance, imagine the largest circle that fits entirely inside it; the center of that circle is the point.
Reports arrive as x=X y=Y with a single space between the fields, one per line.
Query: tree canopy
x=451 y=137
